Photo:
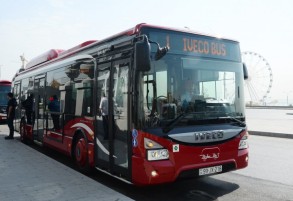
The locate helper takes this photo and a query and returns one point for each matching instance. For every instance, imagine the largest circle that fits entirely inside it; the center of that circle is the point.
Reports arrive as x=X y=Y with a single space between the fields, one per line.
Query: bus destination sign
x=197 y=45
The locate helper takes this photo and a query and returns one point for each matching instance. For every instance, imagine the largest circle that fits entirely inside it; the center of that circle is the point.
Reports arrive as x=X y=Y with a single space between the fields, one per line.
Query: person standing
x=10 y=109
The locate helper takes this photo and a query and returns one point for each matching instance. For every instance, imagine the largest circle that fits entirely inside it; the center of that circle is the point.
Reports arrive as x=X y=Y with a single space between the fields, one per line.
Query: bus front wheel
x=80 y=154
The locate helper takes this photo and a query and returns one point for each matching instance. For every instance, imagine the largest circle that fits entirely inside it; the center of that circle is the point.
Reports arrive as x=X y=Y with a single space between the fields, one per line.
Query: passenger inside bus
x=104 y=112
x=54 y=107
x=188 y=92
x=191 y=100
x=188 y=95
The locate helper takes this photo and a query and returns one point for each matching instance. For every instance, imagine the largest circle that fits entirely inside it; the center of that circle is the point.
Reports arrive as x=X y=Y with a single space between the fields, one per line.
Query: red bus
x=148 y=105
x=5 y=87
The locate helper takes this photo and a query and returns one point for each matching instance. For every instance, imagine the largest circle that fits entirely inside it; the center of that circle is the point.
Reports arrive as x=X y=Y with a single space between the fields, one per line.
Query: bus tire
x=80 y=153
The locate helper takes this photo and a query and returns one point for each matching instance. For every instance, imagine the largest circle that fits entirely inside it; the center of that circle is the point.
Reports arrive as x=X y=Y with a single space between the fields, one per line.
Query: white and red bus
x=155 y=133
x=5 y=87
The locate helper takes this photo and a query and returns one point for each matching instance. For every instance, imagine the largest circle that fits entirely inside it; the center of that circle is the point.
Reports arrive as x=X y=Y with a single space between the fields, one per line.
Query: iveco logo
x=209 y=135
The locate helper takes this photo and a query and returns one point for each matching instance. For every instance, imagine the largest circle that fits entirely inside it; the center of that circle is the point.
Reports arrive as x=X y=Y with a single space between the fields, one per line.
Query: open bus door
x=112 y=125
x=16 y=93
x=40 y=106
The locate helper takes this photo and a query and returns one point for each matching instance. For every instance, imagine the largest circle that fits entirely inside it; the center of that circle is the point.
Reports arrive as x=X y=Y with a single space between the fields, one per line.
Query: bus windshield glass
x=196 y=87
x=3 y=94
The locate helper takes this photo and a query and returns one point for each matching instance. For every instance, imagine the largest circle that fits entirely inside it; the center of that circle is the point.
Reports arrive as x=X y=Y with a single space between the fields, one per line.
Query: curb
x=269 y=134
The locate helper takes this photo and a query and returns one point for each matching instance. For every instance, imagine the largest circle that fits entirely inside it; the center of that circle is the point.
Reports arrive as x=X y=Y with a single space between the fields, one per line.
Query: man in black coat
x=10 y=109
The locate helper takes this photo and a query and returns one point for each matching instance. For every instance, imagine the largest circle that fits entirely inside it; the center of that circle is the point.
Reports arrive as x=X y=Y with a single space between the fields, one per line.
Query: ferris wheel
x=260 y=77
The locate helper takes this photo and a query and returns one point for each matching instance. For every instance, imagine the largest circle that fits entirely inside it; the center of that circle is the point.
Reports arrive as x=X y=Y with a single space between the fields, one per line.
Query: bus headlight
x=157 y=154
x=243 y=144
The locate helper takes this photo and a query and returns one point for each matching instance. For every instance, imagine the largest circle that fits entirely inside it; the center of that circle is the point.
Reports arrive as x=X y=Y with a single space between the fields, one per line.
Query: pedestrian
x=10 y=109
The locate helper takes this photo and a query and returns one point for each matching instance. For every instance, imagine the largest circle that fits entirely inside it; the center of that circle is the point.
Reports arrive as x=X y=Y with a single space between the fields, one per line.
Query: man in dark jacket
x=10 y=109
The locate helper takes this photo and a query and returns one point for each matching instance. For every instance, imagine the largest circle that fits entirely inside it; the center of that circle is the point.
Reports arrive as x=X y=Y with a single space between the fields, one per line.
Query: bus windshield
x=3 y=94
x=202 y=88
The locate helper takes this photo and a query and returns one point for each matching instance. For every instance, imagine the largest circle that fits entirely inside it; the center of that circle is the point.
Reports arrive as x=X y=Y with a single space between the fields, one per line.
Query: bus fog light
x=154 y=173
x=158 y=154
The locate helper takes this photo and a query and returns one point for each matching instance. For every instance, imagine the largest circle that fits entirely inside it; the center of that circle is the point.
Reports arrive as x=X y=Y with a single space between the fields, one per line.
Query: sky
x=32 y=27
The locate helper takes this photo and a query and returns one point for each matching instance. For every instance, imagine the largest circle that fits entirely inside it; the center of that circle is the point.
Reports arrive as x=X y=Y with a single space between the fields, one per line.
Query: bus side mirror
x=142 y=54
x=245 y=72
x=161 y=52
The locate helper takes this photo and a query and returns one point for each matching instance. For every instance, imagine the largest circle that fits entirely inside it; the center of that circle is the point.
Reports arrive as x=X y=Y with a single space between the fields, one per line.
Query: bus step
x=38 y=142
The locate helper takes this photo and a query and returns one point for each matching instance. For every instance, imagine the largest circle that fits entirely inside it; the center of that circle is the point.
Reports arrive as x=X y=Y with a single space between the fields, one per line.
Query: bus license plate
x=210 y=170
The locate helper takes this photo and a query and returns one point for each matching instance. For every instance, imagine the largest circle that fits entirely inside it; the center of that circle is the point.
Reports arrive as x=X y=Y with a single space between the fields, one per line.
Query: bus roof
x=46 y=56
x=58 y=54
x=5 y=82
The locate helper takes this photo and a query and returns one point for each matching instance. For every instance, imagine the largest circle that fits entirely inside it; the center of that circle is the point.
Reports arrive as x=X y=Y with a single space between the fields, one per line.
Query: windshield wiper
x=173 y=123
x=241 y=123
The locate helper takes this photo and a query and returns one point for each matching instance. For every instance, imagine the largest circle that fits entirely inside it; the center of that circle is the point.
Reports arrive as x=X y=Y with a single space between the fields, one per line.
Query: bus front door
x=112 y=125
x=17 y=96
x=39 y=120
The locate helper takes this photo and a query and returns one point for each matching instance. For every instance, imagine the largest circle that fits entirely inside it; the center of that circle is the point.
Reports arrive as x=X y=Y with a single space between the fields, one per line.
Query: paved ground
x=28 y=175
x=270 y=122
